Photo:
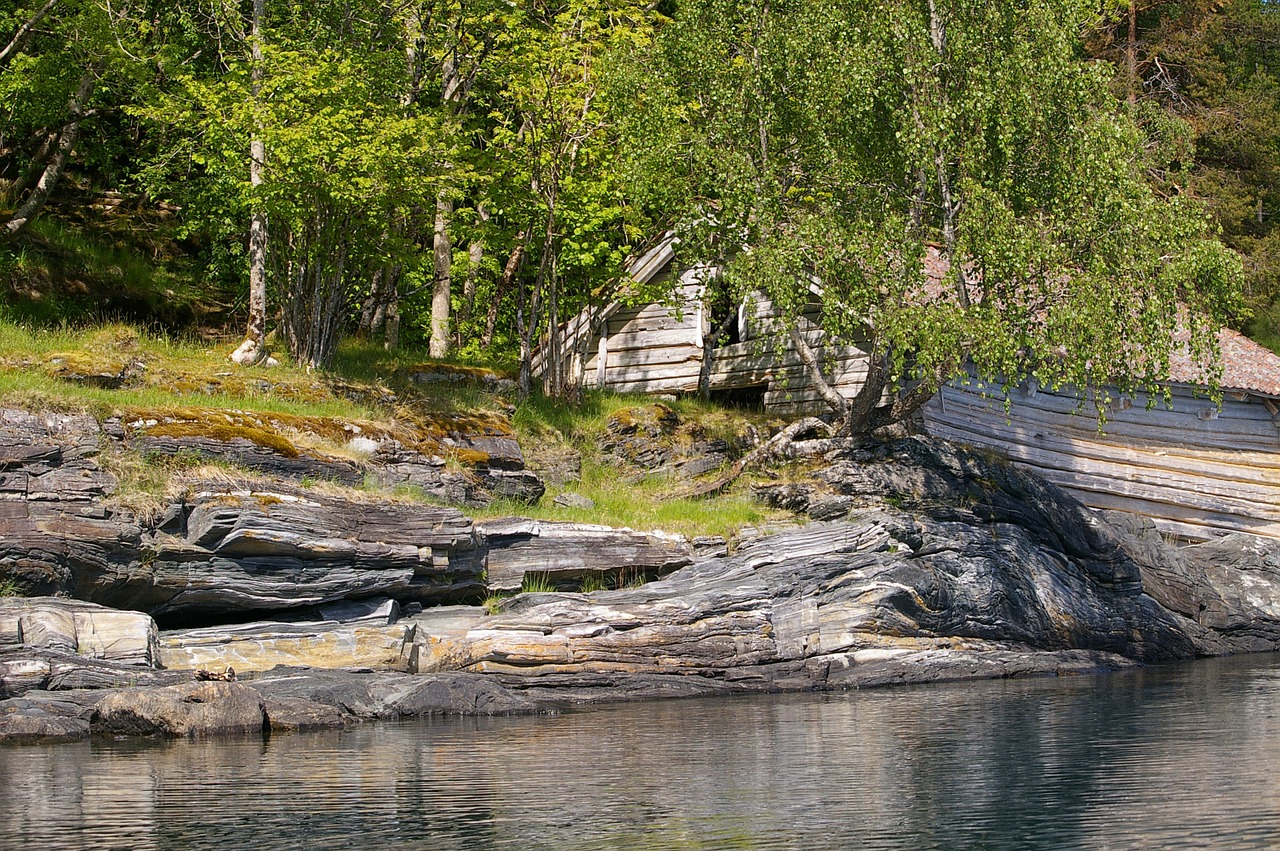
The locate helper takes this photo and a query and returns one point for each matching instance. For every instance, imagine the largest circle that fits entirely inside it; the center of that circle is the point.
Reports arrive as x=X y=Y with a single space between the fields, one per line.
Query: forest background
x=464 y=175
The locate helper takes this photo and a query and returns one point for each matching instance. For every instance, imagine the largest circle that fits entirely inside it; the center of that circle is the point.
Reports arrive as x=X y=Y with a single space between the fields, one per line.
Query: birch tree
x=839 y=143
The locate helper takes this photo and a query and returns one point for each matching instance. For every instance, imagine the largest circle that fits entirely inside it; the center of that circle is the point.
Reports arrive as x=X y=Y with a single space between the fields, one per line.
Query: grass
x=644 y=505
x=82 y=263
x=10 y=588
x=191 y=380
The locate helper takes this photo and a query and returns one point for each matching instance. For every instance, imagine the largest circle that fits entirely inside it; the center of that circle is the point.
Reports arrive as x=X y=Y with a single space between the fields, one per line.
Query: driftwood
x=775 y=446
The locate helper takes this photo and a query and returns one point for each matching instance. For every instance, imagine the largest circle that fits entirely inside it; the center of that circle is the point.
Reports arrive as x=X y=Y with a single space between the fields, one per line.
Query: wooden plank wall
x=1197 y=472
x=760 y=359
x=651 y=349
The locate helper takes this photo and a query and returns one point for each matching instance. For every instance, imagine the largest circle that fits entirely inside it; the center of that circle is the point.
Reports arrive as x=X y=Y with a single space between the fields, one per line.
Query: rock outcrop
x=189 y=709
x=930 y=563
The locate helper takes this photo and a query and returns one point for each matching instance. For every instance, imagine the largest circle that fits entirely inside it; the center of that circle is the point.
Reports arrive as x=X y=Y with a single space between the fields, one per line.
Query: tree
x=336 y=154
x=555 y=147
x=52 y=63
x=1206 y=80
x=837 y=142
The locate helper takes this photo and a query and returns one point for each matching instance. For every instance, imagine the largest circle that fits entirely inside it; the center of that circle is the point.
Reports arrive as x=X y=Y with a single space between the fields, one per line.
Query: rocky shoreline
x=919 y=562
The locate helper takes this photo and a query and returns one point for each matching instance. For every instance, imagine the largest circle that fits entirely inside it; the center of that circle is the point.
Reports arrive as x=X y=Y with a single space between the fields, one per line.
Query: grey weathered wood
x=1195 y=475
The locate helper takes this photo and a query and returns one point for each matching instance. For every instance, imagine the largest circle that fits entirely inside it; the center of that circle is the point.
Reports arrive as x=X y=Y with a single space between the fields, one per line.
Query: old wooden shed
x=664 y=347
x=1198 y=470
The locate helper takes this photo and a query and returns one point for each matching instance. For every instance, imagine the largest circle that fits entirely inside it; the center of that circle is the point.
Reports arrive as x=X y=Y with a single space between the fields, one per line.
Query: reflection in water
x=1179 y=756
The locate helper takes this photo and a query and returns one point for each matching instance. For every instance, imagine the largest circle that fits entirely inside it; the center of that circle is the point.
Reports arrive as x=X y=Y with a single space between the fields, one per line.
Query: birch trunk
x=440 y=294
x=253 y=350
x=19 y=39
x=66 y=143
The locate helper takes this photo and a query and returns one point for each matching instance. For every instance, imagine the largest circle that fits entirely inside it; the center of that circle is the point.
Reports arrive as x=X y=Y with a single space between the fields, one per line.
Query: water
x=1180 y=756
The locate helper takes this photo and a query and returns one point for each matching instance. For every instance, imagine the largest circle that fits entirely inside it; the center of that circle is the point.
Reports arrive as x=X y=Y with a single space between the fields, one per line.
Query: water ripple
x=1172 y=757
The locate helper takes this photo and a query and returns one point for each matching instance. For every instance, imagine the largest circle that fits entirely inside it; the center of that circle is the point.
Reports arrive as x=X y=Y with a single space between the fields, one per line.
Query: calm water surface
x=1183 y=756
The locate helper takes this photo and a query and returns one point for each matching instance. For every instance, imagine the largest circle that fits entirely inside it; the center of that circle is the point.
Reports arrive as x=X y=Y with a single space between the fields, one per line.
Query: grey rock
x=190 y=709
x=569 y=499
x=1226 y=590
x=247 y=453
x=78 y=627
x=293 y=715
x=33 y=721
x=567 y=552
x=369 y=695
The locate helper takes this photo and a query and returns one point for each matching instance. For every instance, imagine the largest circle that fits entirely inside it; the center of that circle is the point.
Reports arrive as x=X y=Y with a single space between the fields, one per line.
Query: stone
x=569 y=499
x=187 y=710
x=75 y=626
x=389 y=695
x=263 y=646
x=451 y=694
x=567 y=552
x=289 y=715
x=23 y=720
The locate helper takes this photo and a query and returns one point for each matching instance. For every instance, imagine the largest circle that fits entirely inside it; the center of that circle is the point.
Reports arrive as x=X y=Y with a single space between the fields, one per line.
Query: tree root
x=776 y=446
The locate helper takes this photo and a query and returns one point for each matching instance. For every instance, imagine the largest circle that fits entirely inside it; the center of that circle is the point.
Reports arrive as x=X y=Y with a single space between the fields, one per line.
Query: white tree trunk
x=66 y=143
x=253 y=349
x=440 y=294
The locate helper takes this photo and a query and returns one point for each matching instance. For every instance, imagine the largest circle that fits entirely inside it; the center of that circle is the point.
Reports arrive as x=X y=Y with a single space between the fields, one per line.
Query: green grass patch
x=644 y=505
x=186 y=387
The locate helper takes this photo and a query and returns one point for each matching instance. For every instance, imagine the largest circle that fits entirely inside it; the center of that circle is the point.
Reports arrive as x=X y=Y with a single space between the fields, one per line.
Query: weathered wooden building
x=1197 y=470
x=665 y=348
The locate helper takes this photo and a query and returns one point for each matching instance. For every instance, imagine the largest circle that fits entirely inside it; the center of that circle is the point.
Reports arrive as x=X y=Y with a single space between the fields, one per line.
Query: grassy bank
x=116 y=369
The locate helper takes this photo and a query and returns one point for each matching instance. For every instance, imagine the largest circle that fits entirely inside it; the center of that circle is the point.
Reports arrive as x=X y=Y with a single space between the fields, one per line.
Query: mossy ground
x=185 y=386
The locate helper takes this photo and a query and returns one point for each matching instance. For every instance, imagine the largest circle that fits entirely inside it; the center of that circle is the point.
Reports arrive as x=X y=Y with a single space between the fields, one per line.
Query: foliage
x=1212 y=67
x=969 y=127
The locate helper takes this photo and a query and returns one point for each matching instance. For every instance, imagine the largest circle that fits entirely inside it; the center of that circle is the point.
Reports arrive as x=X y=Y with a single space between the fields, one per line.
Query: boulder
x=187 y=710
x=74 y=626
x=1228 y=589
x=389 y=695
x=295 y=715
x=26 y=720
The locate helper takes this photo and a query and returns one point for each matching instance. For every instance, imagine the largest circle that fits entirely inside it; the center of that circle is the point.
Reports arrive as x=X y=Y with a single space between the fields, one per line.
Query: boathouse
x=1196 y=469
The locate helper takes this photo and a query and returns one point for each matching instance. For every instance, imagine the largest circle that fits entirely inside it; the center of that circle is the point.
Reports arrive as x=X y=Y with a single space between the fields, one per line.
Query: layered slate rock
x=240 y=551
x=875 y=598
x=563 y=554
x=1228 y=590
x=229 y=548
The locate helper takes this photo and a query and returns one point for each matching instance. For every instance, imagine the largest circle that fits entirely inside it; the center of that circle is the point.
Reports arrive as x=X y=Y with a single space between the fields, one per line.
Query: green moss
x=226 y=432
x=471 y=457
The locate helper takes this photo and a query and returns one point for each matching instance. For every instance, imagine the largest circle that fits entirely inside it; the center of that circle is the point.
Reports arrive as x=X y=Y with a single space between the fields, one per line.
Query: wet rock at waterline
x=190 y=709
x=932 y=563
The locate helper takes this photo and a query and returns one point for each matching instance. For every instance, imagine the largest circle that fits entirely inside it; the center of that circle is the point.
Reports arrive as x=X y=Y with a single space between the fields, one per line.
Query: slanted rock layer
x=920 y=562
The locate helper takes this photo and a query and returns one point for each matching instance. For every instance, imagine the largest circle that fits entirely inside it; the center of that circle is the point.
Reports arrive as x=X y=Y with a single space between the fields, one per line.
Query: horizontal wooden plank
x=657 y=385
x=1206 y=487
x=1185 y=408
x=1141 y=428
x=644 y=357
x=1193 y=524
x=637 y=374
x=1235 y=472
x=645 y=324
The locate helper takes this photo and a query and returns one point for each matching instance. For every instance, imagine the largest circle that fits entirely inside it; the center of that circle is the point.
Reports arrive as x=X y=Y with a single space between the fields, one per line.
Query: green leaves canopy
x=839 y=142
